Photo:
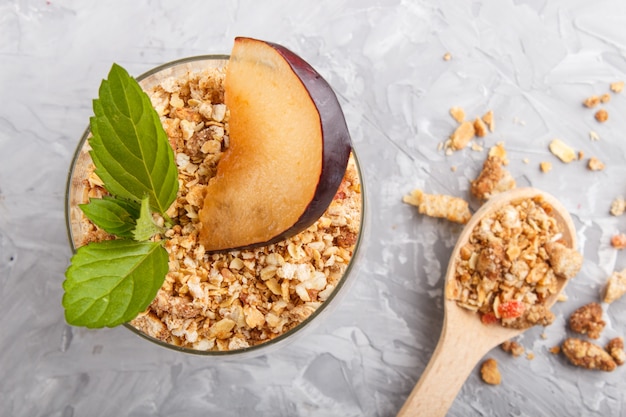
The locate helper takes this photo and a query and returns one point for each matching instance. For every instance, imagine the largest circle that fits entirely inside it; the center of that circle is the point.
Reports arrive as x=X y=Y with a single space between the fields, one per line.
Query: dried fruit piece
x=619 y=241
x=457 y=114
x=488 y=318
x=615 y=286
x=588 y=320
x=595 y=164
x=511 y=309
x=438 y=205
x=591 y=101
x=617 y=86
x=602 y=115
x=490 y=373
x=615 y=347
x=462 y=135
x=562 y=151
x=587 y=355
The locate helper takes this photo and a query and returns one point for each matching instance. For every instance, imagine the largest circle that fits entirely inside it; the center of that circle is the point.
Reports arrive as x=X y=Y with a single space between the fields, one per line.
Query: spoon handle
x=454 y=358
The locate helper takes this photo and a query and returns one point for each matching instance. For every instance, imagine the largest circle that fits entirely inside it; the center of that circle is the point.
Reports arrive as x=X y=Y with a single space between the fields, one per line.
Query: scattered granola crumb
x=595 y=164
x=605 y=98
x=594 y=136
x=462 y=135
x=617 y=86
x=512 y=347
x=555 y=350
x=447 y=56
x=530 y=356
x=562 y=297
x=615 y=286
x=588 y=320
x=490 y=373
x=581 y=155
x=591 y=101
x=457 y=114
x=615 y=347
x=602 y=115
x=493 y=179
x=565 y=262
x=480 y=127
x=499 y=151
x=453 y=168
x=438 y=205
x=526 y=161
x=562 y=151
x=476 y=147
x=618 y=241
x=618 y=206
x=545 y=166
x=587 y=355
x=489 y=120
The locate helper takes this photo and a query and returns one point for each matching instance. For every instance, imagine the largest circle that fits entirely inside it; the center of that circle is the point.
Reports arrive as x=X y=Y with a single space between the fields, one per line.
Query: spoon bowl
x=464 y=339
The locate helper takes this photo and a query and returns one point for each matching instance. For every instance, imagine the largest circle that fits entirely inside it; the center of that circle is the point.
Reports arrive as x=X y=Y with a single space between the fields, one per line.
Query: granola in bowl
x=238 y=300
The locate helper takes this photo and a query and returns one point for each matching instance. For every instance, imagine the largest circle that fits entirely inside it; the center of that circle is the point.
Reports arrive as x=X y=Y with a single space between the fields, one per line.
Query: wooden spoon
x=464 y=338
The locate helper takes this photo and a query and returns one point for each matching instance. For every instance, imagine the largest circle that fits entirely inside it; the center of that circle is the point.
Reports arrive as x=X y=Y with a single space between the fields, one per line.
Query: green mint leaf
x=111 y=282
x=146 y=228
x=113 y=215
x=130 y=149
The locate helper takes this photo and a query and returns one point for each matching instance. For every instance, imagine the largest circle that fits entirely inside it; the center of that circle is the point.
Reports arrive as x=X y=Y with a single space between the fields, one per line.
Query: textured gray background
x=531 y=61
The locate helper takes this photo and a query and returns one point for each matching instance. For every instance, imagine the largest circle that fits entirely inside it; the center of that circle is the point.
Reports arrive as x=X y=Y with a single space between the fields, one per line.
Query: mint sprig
x=108 y=283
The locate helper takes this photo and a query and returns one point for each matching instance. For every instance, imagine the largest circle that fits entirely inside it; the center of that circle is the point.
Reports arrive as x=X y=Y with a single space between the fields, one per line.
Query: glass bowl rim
x=262 y=347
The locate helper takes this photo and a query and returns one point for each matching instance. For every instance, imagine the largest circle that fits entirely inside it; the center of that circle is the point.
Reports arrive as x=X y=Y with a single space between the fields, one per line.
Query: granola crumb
x=581 y=155
x=438 y=205
x=457 y=114
x=490 y=373
x=615 y=347
x=594 y=136
x=545 y=166
x=462 y=136
x=453 y=168
x=587 y=355
x=617 y=86
x=615 y=286
x=595 y=164
x=618 y=241
x=605 y=98
x=480 y=127
x=602 y=115
x=489 y=120
x=591 y=101
x=588 y=320
x=492 y=179
x=499 y=151
x=512 y=347
x=530 y=356
x=562 y=151
x=618 y=206
x=447 y=56
x=526 y=161
x=555 y=350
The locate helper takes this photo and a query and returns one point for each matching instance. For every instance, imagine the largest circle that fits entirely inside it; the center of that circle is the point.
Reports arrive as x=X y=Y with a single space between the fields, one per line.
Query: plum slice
x=288 y=153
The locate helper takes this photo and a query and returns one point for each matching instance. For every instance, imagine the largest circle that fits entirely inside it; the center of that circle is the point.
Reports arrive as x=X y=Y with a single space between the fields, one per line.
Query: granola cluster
x=511 y=265
x=234 y=300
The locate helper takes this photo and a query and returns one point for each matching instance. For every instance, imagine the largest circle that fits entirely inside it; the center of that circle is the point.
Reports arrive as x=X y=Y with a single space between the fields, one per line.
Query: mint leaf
x=146 y=228
x=113 y=215
x=130 y=149
x=110 y=282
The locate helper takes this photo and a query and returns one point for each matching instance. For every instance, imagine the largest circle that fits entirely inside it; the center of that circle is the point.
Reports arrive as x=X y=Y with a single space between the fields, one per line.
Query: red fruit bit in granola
x=488 y=318
x=511 y=309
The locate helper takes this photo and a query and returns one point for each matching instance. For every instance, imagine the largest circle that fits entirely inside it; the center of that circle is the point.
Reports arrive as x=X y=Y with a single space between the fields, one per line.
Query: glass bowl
x=77 y=193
